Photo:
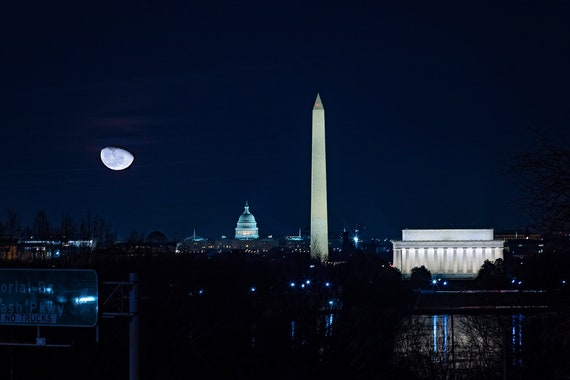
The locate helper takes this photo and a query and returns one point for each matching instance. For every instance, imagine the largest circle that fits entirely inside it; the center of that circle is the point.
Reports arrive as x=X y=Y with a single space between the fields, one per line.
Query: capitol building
x=246 y=238
x=246 y=228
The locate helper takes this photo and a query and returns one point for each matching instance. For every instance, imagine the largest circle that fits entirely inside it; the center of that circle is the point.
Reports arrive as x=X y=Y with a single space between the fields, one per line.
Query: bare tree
x=103 y=232
x=41 y=227
x=94 y=227
x=67 y=228
x=13 y=225
x=13 y=231
x=545 y=178
x=86 y=227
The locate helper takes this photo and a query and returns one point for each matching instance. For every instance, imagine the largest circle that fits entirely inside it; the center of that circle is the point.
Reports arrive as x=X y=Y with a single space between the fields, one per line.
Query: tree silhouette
x=420 y=276
x=545 y=179
x=492 y=275
x=67 y=228
x=13 y=231
x=41 y=227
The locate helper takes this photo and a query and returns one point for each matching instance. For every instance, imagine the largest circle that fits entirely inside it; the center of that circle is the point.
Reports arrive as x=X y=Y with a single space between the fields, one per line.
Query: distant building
x=246 y=239
x=31 y=249
x=246 y=228
x=8 y=248
x=192 y=244
x=296 y=243
x=156 y=243
x=522 y=244
x=451 y=253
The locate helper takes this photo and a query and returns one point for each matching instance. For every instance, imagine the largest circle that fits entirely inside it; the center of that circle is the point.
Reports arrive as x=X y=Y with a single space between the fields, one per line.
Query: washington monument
x=319 y=219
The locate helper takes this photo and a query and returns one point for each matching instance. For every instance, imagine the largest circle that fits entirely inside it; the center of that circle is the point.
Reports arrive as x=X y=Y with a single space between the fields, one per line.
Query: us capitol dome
x=246 y=228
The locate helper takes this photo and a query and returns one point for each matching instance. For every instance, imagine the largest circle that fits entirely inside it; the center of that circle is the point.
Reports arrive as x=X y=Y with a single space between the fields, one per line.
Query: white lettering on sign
x=29 y=318
x=19 y=287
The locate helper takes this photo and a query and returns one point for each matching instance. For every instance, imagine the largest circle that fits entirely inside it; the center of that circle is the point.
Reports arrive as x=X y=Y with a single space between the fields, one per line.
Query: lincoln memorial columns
x=450 y=253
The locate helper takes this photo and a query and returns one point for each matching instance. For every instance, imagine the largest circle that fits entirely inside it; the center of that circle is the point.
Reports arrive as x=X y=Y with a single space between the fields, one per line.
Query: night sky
x=425 y=103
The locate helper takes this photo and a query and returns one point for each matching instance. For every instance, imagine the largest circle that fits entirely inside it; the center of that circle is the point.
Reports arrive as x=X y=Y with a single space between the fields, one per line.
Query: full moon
x=116 y=158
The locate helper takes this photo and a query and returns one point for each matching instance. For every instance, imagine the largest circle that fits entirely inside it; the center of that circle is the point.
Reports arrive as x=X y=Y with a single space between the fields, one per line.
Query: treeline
x=42 y=228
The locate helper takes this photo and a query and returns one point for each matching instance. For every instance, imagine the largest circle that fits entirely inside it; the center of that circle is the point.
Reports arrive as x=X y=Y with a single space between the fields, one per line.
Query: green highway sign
x=48 y=297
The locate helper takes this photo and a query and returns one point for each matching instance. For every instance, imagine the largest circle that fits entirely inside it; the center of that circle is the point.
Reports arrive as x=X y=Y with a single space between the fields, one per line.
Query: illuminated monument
x=319 y=220
x=451 y=253
x=246 y=228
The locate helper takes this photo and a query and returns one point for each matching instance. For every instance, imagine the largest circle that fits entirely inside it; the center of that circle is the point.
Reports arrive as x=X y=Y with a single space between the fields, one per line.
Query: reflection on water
x=328 y=321
x=440 y=334
x=299 y=332
x=292 y=331
x=517 y=339
x=252 y=334
x=458 y=346
x=442 y=346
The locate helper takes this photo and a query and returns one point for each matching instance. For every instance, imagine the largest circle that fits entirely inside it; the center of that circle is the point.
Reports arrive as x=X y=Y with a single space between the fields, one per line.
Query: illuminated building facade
x=452 y=253
x=29 y=249
x=192 y=244
x=246 y=228
x=296 y=243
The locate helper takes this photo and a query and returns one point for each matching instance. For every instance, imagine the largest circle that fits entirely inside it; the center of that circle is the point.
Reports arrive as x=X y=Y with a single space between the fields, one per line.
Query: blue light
x=327 y=284
x=563 y=282
x=433 y=282
x=331 y=302
x=445 y=283
x=201 y=291
x=83 y=300
x=302 y=285
x=292 y=284
x=252 y=289
x=308 y=282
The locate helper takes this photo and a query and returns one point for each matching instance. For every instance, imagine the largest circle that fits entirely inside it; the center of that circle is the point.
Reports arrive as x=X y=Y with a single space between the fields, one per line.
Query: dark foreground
x=245 y=317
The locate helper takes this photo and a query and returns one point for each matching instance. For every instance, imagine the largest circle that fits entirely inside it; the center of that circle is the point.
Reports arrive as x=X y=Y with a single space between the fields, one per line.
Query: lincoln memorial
x=457 y=253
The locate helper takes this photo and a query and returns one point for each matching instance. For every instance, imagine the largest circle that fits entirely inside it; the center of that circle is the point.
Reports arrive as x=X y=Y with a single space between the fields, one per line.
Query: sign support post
x=134 y=326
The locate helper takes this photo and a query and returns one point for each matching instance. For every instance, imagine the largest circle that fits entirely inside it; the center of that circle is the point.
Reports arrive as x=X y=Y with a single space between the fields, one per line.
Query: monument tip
x=318 y=103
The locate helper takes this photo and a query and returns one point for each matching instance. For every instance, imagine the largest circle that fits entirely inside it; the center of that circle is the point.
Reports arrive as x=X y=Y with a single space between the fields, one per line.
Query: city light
x=47 y=289
x=83 y=300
